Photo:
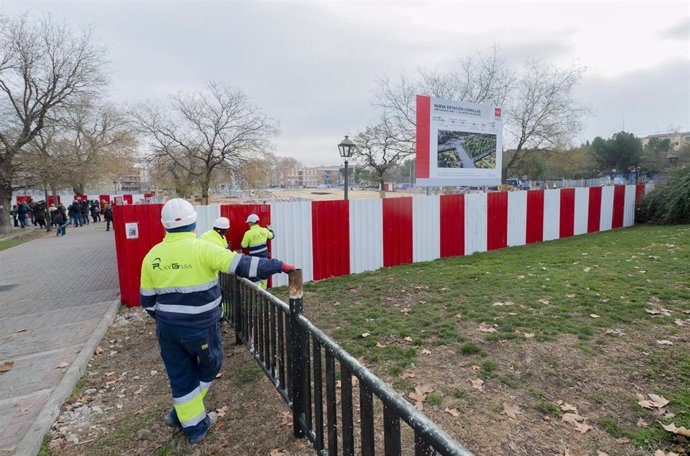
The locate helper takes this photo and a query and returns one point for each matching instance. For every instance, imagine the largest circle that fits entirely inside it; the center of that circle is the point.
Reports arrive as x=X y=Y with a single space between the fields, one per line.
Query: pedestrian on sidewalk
x=108 y=216
x=84 y=211
x=59 y=219
x=15 y=215
x=180 y=290
x=40 y=214
x=23 y=210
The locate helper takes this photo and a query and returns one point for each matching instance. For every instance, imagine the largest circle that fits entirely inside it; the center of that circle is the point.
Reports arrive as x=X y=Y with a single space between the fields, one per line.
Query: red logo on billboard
x=497 y=112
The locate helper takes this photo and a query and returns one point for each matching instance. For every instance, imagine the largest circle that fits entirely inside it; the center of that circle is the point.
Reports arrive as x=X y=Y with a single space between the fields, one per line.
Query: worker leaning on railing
x=179 y=288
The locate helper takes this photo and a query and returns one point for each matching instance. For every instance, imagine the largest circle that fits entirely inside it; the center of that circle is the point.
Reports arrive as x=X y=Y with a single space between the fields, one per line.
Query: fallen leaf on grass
x=111 y=382
x=680 y=322
x=426 y=352
x=587 y=269
x=528 y=335
x=277 y=452
x=408 y=339
x=219 y=375
x=419 y=394
x=642 y=423
x=478 y=384
x=660 y=311
x=475 y=368
x=62 y=365
x=109 y=374
x=365 y=334
x=408 y=375
x=222 y=411
x=486 y=328
x=615 y=332
x=286 y=419
x=453 y=412
x=663 y=453
x=544 y=301
x=577 y=421
x=511 y=411
x=677 y=430
x=594 y=316
x=501 y=304
x=99 y=350
x=406 y=310
x=601 y=453
x=570 y=295
x=654 y=401
x=664 y=342
x=137 y=392
x=6 y=365
x=567 y=407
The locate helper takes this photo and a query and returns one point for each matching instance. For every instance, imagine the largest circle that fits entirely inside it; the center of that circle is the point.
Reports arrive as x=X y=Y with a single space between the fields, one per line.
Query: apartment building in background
x=307 y=177
x=678 y=140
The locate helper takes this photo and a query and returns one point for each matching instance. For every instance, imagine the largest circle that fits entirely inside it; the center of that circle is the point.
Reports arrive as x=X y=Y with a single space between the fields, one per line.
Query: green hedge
x=669 y=202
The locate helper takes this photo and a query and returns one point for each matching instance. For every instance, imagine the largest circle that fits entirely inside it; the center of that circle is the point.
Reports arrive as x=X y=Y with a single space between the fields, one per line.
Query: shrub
x=669 y=203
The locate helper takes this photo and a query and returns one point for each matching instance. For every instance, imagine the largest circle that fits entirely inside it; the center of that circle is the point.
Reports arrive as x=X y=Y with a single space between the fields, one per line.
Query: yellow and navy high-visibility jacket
x=213 y=237
x=179 y=278
x=255 y=238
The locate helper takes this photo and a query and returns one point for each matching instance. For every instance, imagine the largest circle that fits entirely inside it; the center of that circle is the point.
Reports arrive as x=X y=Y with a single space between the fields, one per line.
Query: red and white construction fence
x=334 y=238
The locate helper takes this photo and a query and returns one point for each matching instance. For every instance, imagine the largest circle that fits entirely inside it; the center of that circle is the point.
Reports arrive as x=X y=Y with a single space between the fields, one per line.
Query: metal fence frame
x=292 y=352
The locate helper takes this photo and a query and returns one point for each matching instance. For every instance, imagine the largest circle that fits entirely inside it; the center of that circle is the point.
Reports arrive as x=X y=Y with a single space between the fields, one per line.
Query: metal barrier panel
x=366 y=235
x=517 y=218
x=452 y=225
x=397 y=231
x=605 y=222
x=475 y=223
x=535 y=216
x=618 y=206
x=205 y=216
x=629 y=211
x=594 y=208
x=581 y=210
x=567 y=225
x=426 y=231
x=552 y=214
x=497 y=220
x=133 y=246
x=330 y=238
x=292 y=224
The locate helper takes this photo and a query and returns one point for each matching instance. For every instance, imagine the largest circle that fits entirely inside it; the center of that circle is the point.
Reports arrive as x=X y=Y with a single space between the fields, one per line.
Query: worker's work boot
x=212 y=418
x=171 y=420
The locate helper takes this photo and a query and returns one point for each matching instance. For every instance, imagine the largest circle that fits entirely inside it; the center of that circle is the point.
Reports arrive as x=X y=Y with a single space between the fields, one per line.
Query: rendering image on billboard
x=458 y=143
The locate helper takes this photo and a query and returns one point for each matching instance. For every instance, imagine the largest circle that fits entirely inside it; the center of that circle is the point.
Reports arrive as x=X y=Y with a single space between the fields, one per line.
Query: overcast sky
x=313 y=65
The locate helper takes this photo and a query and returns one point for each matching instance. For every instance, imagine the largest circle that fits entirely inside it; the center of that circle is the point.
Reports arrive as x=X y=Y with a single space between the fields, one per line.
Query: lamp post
x=346 y=149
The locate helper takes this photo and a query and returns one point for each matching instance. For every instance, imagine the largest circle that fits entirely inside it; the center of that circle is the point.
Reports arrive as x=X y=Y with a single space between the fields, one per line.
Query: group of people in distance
x=26 y=214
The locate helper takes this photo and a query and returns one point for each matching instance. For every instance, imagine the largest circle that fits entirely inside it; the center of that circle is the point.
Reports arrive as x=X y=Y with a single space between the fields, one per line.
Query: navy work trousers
x=192 y=357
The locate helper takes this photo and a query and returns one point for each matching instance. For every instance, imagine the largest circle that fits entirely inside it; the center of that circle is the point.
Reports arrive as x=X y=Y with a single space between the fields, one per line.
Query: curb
x=32 y=441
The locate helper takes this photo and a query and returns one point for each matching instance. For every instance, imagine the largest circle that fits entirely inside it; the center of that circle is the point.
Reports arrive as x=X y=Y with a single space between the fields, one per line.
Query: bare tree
x=542 y=112
x=202 y=131
x=380 y=148
x=43 y=66
x=540 y=109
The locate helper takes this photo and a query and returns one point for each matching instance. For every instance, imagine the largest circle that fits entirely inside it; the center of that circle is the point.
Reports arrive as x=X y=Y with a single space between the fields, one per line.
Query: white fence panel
x=366 y=235
x=606 y=220
x=426 y=228
x=205 y=216
x=581 y=210
x=629 y=212
x=294 y=245
x=517 y=218
x=552 y=214
x=475 y=223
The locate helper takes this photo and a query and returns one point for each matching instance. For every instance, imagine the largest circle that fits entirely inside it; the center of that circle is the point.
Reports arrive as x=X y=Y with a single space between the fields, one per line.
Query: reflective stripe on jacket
x=213 y=237
x=179 y=278
x=255 y=238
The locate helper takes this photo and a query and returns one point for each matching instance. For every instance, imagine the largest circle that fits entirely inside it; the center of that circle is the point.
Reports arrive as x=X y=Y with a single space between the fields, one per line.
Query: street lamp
x=346 y=149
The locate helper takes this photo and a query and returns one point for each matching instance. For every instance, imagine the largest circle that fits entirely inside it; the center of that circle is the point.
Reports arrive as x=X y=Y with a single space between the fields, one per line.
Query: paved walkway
x=57 y=298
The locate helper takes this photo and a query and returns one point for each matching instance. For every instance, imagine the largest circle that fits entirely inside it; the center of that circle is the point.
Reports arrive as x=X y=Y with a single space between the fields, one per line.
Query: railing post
x=297 y=348
x=236 y=309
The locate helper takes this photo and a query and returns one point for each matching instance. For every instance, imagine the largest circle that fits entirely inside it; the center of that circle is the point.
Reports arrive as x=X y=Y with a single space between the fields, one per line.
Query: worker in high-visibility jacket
x=179 y=288
x=256 y=240
x=216 y=235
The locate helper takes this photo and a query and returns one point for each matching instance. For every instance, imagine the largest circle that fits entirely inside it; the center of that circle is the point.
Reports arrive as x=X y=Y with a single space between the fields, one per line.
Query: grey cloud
x=680 y=31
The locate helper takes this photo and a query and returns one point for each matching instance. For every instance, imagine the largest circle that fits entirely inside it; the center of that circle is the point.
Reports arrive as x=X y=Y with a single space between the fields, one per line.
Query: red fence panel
x=496 y=220
x=24 y=199
x=594 y=216
x=237 y=214
x=128 y=198
x=131 y=252
x=397 y=231
x=534 y=231
x=618 y=206
x=567 y=224
x=105 y=198
x=330 y=226
x=639 y=193
x=452 y=225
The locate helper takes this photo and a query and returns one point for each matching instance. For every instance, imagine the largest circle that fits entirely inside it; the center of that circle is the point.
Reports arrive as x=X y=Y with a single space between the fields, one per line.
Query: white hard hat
x=177 y=213
x=252 y=218
x=222 y=223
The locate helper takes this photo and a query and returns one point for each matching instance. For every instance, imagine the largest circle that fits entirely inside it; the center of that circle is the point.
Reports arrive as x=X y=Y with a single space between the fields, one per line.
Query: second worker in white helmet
x=216 y=235
x=256 y=240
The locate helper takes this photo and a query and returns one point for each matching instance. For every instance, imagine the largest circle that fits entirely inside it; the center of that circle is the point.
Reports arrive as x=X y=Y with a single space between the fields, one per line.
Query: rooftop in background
x=678 y=140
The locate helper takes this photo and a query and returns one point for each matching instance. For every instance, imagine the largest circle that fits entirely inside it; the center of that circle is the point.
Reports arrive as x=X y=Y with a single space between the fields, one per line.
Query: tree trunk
x=382 y=188
x=205 y=184
x=5 y=207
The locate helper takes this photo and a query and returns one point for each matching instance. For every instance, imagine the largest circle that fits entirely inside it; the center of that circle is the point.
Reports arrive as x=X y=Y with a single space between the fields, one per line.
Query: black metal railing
x=314 y=375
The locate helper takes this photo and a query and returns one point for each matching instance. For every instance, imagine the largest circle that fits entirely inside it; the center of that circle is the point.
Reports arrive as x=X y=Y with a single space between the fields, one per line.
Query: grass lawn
x=566 y=320
x=25 y=237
